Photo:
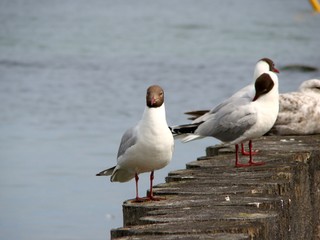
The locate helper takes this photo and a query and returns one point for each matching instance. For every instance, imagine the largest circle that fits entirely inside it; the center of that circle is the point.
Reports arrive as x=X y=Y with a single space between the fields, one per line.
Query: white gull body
x=299 y=112
x=262 y=66
x=241 y=119
x=146 y=147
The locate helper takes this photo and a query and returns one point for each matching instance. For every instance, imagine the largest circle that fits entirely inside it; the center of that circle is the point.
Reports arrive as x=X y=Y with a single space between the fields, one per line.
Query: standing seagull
x=299 y=112
x=146 y=147
x=241 y=120
x=262 y=66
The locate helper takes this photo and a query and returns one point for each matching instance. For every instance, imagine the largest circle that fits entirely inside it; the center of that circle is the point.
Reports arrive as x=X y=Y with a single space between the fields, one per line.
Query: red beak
x=153 y=100
x=276 y=70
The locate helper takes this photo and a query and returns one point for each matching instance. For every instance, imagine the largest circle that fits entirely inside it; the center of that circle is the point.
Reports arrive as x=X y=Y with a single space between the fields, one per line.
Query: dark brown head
x=155 y=96
x=263 y=85
x=272 y=68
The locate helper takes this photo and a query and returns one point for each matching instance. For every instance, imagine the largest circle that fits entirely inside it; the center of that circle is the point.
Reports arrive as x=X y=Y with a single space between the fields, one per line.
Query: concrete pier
x=211 y=199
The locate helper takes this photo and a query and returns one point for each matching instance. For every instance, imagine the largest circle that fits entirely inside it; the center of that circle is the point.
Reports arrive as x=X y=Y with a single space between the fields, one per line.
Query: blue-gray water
x=73 y=76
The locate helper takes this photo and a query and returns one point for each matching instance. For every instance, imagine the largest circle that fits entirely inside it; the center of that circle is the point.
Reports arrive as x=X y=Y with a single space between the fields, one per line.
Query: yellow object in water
x=315 y=4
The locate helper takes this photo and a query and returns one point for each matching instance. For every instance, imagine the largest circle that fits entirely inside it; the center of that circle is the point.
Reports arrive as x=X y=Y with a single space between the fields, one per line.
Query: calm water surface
x=73 y=76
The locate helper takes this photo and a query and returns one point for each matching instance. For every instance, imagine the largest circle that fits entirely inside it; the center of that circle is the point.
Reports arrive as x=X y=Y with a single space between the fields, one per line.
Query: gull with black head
x=242 y=120
x=262 y=66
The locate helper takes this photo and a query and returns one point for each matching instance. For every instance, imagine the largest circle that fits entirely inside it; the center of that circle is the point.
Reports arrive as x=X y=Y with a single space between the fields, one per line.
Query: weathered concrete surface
x=211 y=199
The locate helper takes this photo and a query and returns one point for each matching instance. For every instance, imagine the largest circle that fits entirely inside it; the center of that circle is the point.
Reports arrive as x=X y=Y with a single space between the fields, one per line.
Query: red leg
x=245 y=153
x=237 y=158
x=150 y=195
x=138 y=199
x=251 y=162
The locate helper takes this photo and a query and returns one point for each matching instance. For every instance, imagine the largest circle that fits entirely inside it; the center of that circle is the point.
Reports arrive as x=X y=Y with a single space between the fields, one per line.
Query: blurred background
x=73 y=76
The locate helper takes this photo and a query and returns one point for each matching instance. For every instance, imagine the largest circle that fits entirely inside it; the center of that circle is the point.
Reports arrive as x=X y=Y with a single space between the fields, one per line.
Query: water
x=73 y=78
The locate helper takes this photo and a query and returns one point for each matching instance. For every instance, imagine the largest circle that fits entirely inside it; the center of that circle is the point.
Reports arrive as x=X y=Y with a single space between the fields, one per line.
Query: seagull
x=240 y=120
x=146 y=147
x=299 y=112
x=262 y=66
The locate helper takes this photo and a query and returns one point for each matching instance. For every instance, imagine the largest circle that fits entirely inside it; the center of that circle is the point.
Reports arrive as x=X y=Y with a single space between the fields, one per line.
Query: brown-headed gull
x=242 y=120
x=262 y=66
x=146 y=147
x=299 y=112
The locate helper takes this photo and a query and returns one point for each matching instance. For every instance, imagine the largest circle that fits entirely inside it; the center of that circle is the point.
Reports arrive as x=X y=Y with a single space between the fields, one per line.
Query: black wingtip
x=101 y=173
x=186 y=128
x=106 y=172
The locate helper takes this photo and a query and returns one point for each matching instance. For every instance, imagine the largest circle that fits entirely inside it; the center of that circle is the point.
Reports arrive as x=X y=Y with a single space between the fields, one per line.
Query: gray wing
x=230 y=121
x=128 y=139
x=246 y=93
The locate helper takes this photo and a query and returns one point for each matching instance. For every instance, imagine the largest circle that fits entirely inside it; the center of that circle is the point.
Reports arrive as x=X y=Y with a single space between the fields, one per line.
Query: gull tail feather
x=186 y=132
x=185 y=128
x=195 y=114
x=122 y=175
x=191 y=137
x=106 y=172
